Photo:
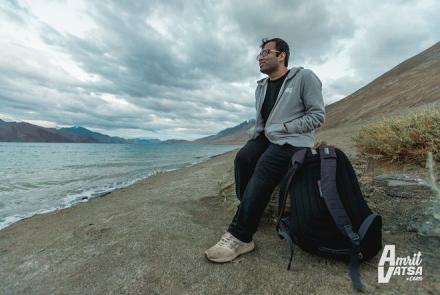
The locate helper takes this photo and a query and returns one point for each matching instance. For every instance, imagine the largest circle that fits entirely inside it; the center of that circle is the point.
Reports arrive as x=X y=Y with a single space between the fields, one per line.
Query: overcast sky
x=187 y=69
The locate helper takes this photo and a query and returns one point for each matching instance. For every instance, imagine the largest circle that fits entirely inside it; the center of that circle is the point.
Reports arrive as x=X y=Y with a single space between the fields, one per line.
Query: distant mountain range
x=414 y=82
x=26 y=132
x=98 y=137
x=236 y=134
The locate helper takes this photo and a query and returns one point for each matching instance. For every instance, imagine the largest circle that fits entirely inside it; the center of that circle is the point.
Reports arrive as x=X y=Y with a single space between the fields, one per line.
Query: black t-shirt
x=273 y=88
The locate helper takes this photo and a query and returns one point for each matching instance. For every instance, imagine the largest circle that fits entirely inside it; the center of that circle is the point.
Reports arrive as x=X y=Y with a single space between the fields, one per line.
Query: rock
x=425 y=223
x=402 y=185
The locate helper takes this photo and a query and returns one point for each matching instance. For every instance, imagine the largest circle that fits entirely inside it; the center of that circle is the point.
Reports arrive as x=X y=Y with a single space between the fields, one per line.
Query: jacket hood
x=292 y=72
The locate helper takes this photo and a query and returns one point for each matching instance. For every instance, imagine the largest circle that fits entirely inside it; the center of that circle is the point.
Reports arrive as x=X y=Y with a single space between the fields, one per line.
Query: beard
x=268 y=68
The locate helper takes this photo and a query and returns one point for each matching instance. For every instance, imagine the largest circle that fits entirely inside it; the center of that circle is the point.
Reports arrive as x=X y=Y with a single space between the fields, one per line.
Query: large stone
x=403 y=185
x=425 y=221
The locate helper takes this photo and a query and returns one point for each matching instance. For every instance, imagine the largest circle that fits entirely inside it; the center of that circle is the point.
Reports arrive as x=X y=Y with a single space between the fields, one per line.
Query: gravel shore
x=149 y=238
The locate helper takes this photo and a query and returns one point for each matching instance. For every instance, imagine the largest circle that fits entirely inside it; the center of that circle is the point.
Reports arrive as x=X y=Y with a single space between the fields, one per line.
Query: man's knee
x=262 y=169
x=267 y=170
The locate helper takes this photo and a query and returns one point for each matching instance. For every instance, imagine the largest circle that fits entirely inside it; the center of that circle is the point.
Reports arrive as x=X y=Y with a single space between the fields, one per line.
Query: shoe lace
x=228 y=241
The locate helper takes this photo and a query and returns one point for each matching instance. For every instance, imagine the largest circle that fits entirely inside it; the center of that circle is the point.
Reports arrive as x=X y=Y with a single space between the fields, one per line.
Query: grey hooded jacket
x=298 y=110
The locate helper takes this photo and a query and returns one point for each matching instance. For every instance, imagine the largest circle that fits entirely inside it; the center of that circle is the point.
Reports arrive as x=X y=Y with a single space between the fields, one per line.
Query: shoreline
x=83 y=197
x=150 y=238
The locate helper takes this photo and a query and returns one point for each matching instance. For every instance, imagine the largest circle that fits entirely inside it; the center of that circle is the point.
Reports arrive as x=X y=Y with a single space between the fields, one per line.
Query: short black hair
x=280 y=45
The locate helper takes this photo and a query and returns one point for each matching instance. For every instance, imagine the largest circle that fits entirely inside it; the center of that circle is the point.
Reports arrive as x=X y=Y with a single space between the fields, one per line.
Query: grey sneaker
x=228 y=248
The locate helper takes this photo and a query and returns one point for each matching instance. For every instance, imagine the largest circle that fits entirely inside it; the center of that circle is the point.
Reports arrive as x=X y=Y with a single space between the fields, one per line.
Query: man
x=289 y=107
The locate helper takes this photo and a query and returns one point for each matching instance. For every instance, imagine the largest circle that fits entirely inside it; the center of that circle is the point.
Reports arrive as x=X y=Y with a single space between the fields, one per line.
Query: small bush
x=408 y=139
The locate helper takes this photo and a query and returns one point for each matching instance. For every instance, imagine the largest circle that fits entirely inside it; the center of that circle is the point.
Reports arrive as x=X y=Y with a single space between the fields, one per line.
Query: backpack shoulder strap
x=282 y=230
x=334 y=205
x=329 y=190
x=296 y=162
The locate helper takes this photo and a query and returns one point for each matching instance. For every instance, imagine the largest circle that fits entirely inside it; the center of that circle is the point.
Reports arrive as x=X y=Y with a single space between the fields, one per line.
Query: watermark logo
x=390 y=265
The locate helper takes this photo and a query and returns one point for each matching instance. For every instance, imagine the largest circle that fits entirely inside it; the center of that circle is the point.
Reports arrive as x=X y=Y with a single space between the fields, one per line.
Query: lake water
x=42 y=177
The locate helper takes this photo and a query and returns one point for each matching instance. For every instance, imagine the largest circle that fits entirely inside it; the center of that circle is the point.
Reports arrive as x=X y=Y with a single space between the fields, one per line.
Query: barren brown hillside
x=412 y=83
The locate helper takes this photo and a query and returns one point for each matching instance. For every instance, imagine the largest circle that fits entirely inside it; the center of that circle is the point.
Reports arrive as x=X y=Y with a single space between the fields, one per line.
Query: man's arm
x=313 y=103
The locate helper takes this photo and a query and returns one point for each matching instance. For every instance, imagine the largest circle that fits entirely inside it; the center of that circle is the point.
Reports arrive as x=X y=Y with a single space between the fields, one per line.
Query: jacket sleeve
x=314 y=109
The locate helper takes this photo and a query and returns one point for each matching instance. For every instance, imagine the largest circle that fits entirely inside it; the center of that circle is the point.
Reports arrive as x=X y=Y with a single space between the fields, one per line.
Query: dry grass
x=406 y=139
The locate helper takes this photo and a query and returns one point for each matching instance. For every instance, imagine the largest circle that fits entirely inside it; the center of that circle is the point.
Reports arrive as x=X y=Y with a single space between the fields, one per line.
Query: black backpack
x=328 y=215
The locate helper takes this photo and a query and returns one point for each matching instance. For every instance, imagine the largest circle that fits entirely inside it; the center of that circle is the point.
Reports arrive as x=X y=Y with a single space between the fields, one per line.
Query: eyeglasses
x=265 y=53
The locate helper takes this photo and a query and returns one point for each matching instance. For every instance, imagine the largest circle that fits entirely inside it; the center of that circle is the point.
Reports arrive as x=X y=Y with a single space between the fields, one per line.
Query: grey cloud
x=147 y=58
x=312 y=28
x=392 y=34
x=14 y=12
x=202 y=58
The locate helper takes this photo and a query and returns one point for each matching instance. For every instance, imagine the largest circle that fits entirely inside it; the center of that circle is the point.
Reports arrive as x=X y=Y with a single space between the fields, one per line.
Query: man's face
x=270 y=62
